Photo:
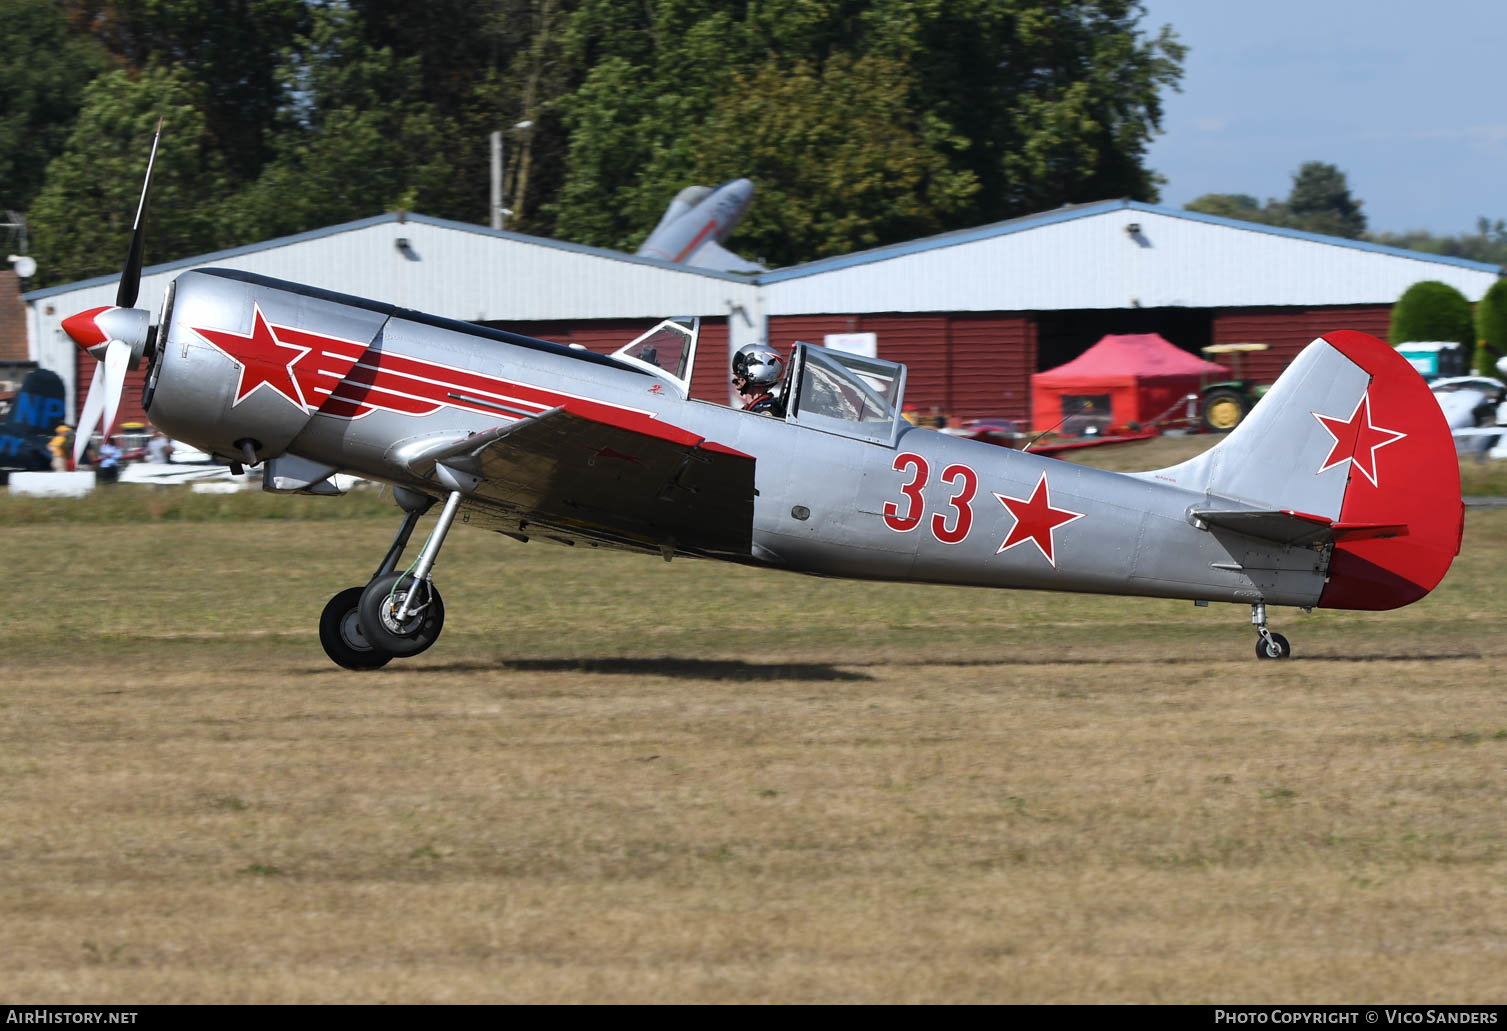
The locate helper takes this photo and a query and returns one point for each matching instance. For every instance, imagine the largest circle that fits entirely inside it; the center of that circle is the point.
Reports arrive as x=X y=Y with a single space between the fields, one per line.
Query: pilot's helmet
x=759 y=365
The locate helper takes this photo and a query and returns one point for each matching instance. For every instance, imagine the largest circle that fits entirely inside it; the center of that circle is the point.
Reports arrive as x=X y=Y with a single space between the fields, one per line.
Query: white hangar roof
x=1088 y=256
x=1085 y=256
x=451 y=269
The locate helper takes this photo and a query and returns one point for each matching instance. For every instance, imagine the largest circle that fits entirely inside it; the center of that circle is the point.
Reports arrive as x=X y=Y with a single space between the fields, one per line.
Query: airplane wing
x=1295 y=529
x=613 y=478
x=712 y=255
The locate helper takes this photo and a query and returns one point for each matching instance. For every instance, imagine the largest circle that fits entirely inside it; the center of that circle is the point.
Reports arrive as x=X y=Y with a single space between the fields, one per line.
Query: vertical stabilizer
x=1349 y=435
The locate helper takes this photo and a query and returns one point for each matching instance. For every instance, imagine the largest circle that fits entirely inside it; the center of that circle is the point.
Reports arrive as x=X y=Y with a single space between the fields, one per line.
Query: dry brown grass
x=619 y=781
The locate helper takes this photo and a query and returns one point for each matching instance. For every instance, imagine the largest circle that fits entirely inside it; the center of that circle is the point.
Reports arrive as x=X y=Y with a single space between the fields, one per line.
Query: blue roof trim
x=1299 y=234
x=953 y=238
x=581 y=248
x=1066 y=213
x=213 y=256
x=366 y=223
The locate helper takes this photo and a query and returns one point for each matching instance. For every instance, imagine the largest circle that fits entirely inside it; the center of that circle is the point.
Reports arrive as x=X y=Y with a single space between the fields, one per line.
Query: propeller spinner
x=117 y=337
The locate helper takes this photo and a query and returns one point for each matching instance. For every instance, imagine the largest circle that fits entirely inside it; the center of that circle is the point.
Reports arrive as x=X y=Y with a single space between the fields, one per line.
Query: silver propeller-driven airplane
x=1340 y=490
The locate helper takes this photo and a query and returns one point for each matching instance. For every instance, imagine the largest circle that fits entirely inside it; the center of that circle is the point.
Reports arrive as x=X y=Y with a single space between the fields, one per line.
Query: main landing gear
x=1270 y=645
x=397 y=614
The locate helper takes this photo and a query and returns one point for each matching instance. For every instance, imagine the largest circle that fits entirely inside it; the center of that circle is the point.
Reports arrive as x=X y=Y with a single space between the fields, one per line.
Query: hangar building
x=973 y=312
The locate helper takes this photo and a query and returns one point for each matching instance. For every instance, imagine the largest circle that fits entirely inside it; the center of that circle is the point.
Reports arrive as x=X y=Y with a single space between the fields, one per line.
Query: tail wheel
x=1272 y=646
x=382 y=601
x=341 y=634
x=1223 y=410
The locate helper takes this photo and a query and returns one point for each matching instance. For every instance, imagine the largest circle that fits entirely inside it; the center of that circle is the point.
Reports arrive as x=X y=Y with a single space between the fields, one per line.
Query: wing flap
x=617 y=477
x=1295 y=529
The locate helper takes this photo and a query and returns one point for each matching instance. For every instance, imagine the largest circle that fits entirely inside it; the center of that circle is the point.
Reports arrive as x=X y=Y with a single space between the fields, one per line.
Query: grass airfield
x=616 y=780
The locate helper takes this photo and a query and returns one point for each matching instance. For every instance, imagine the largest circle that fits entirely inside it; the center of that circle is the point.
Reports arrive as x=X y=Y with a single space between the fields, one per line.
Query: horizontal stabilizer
x=1294 y=529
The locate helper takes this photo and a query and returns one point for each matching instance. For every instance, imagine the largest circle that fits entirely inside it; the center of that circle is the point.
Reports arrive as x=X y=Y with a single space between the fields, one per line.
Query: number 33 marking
x=961 y=478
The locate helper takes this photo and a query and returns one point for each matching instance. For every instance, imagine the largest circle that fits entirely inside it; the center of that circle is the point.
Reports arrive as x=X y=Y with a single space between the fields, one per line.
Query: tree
x=1319 y=202
x=483 y=66
x=358 y=142
x=840 y=161
x=1240 y=206
x=230 y=49
x=81 y=220
x=1487 y=244
x=1020 y=105
x=43 y=72
x=1491 y=328
x=1432 y=310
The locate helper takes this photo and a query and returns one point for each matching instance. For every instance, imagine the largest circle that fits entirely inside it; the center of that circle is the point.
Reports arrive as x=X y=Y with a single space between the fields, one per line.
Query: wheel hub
x=412 y=620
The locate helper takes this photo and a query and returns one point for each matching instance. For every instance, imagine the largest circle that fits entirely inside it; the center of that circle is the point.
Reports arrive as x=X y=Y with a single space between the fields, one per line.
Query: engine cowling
x=244 y=361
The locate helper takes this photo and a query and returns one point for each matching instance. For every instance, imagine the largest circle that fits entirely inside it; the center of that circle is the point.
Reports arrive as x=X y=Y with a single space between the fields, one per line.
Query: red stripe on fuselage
x=696 y=241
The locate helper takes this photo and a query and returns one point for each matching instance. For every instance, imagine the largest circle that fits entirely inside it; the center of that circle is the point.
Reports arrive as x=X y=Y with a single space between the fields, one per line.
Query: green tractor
x=1226 y=403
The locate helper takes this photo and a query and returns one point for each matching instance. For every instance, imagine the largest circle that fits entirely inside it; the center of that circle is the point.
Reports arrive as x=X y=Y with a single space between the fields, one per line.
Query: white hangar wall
x=450 y=269
x=1087 y=257
x=1022 y=277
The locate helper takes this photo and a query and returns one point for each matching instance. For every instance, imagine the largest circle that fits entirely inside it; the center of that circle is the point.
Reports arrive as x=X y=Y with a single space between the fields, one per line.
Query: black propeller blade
x=130 y=275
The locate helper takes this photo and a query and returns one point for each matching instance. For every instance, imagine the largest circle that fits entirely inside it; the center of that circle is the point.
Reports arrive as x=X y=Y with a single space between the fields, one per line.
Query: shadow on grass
x=1169 y=660
x=665 y=666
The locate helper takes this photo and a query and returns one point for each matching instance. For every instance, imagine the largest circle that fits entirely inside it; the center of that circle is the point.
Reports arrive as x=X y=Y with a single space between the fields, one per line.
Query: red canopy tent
x=1122 y=379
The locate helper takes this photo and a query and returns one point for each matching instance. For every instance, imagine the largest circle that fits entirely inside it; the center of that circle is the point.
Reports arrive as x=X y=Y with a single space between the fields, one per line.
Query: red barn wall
x=130 y=399
x=13 y=347
x=1288 y=331
x=709 y=378
x=973 y=365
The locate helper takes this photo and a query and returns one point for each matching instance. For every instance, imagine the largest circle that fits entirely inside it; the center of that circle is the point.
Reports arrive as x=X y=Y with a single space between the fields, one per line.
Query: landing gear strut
x=1270 y=645
x=397 y=614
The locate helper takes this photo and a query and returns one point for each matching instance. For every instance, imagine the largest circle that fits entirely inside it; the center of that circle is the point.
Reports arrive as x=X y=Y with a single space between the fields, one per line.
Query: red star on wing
x=264 y=360
x=1035 y=520
x=1356 y=439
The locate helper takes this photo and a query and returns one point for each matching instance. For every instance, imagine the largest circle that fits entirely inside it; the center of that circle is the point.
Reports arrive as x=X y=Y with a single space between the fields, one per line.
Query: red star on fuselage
x=264 y=360
x=1035 y=520
x=1356 y=439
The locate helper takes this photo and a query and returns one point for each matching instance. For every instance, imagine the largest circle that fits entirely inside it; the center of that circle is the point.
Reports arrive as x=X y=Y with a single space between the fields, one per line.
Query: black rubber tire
x=1223 y=410
x=340 y=633
x=379 y=601
x=1264 y=652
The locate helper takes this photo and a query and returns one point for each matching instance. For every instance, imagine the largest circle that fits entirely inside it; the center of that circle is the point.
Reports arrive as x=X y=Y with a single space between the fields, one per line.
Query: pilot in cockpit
x=757 y=372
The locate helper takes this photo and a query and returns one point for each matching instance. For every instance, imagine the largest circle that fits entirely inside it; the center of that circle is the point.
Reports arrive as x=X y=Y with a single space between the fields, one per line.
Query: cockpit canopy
x=848 y=394
x=668 y=351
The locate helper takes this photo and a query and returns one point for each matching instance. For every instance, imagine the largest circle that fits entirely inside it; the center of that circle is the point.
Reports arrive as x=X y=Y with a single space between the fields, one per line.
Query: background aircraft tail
x=1350 y=449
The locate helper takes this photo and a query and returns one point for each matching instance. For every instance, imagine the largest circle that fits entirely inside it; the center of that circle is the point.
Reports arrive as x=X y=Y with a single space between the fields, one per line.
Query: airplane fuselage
x=334 y=383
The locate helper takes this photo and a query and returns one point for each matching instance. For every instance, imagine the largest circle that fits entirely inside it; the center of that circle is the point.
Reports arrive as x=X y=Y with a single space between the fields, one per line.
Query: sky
x=1408 y=99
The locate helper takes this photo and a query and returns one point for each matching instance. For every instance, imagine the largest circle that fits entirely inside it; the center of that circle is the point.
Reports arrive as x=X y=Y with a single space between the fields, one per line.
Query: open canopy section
x=668 y=351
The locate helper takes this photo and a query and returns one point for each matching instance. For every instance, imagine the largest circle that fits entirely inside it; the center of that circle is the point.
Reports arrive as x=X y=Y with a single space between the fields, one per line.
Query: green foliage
x=1319 y=202
x=81 y=221
x=1491 y=328
x=839 y=160
x=1431 y=310
x=229 y=49
x=866 y=121
x=1487 y=244
x=358 y=141
x=1241 y=206
x=977 y=110
x=150 y=503
x=43 y=71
